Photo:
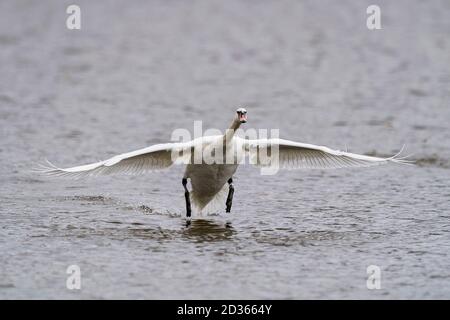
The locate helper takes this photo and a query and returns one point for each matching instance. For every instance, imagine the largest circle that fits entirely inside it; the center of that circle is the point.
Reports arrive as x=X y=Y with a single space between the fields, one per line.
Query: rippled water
x=136 y=71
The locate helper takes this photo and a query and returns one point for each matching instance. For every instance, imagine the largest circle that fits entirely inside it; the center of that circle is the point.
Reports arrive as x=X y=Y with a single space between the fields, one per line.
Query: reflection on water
x=202 y=230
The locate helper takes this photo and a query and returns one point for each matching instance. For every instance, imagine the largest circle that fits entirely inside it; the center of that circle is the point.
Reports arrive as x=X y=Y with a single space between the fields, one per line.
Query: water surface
x=137 y=71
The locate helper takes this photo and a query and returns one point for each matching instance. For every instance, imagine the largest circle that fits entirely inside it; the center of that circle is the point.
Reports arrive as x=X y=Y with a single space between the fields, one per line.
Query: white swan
x=209 y=179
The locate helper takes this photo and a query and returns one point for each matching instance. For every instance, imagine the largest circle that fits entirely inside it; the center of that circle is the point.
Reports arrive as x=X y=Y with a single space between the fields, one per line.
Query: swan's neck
x=231 y=130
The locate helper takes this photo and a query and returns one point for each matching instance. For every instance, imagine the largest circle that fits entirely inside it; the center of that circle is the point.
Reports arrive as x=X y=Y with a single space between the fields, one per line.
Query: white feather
x=296 y=155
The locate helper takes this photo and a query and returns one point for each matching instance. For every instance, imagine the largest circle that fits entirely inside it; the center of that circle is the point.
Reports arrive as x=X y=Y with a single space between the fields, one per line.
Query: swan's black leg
x=188 y=200
x=230 y=195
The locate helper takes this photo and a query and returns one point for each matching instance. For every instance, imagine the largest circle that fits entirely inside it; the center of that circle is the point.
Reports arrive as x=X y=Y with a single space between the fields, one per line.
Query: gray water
x=137 y=70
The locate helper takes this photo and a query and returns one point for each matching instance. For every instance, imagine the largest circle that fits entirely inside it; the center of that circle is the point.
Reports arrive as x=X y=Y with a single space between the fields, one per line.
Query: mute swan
x=209 y=179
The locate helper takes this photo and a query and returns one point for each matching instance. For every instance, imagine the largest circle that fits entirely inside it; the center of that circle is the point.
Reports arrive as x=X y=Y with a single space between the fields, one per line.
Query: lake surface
x=137 y=71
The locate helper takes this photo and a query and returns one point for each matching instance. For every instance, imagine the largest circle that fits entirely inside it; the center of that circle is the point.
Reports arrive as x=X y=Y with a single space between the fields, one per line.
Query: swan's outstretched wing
x=295 y=155
x=153 y=158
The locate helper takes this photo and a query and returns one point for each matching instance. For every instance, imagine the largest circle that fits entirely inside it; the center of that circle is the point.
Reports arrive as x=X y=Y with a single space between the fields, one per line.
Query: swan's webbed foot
x=188 y=200
x=230 y=195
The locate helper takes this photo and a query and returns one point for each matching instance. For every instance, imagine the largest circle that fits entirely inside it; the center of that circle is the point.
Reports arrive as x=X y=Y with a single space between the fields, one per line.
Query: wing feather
x=153 y=158
x=296 y=155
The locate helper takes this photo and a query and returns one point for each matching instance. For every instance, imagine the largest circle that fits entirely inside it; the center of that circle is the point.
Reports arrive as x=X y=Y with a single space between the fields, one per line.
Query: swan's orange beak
x=243 y=117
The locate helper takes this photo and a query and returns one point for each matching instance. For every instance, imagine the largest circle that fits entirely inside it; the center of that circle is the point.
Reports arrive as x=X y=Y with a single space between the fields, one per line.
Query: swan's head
x=241 y=115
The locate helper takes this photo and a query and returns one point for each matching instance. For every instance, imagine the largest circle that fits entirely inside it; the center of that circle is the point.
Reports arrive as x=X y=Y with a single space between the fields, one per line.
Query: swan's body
x=208 y=180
